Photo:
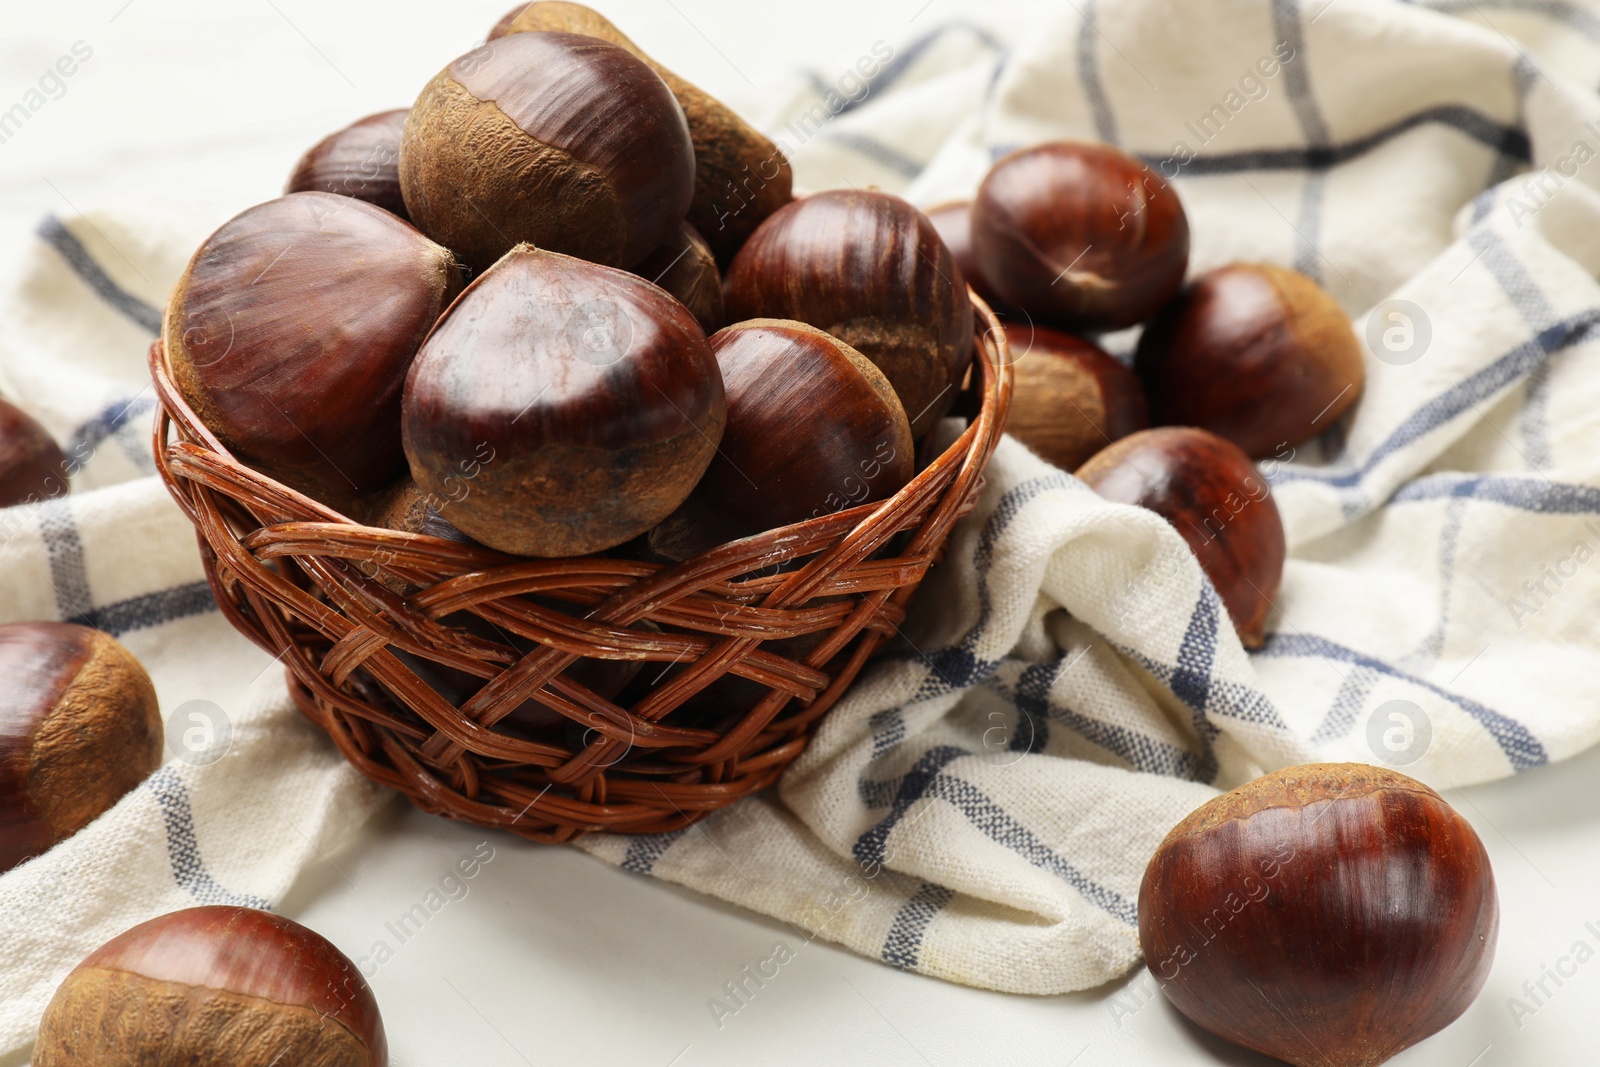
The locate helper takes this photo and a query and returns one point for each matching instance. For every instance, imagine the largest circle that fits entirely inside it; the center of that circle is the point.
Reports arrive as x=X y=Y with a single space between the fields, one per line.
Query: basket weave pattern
x=319 y=590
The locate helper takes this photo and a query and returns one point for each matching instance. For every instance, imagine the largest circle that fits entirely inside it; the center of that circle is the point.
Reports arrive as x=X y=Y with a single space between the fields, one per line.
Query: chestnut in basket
x=32 y=465
x=362 y=160
x=813 y=428
x=214 y=985
x=870 y=269
x=1329 y=915
x=1216 y=499
x=684 y=266
x=291 y=332
x=1081 y=235
x=1071 y=398
x=561 y=406
x=740 y=177
x=79 y=728
x=567 y=142
x=1259 y=354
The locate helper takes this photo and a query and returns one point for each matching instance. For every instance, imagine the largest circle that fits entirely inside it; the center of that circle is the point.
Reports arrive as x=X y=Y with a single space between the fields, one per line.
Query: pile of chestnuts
x=1068 y=240
x=567 y=303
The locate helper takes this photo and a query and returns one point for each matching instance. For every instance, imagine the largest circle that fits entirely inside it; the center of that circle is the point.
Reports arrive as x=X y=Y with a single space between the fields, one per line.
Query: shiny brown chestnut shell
x=561 y=407
x=813 y=428
x=1329 y=915
x=362 y=160
x=291 y=333
x=1071 y=398
x=214 y=985
x=32 y=465
x=79 y=728
x=740 y=177
x=1259 y=354
x=1080 y=235
x=559 y=140
x=1212 y=494
x=685 y=266
x=953 y=220
x=870 y=269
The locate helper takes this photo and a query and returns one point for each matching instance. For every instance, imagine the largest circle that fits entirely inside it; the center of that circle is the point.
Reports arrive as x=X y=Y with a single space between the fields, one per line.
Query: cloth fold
x=981 y=805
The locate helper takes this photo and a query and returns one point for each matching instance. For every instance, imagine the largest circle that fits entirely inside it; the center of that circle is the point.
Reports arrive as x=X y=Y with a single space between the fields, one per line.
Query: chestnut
x=684 y=266
x=291 y=332
x=213 y=985
x=740 y=177
x=953 y=220
x=562 y=407
x=362 y=160
x=1259 y=354
x=1071 y=398
x=560 y=140
x=1329 y=915
x=870 y=269
x=32 y=465
x=1081 y=235
x=1216 y=499
x=813 y=428
x=79 y=728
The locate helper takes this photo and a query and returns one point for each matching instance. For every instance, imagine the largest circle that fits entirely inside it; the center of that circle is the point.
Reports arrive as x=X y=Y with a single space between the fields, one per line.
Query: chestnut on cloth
x=982 y=804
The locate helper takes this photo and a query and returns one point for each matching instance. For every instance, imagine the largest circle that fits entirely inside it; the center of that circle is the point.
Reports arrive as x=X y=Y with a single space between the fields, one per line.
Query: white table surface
x=551 y=957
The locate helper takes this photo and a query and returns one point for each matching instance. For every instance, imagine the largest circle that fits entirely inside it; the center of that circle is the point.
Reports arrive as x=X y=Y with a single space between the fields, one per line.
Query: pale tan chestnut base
x=102 y=738
x=102 y=1018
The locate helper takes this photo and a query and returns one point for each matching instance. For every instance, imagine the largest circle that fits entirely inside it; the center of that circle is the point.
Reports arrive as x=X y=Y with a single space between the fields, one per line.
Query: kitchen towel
x=981 y=806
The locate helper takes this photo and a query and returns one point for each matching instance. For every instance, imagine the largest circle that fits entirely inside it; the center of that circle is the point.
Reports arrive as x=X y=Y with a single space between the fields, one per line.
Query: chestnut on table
x=1080 y=235
x=32 y=465
x=1329 y=915
x=1259 y=354
x=1217 y=501
x=79 y=728
x=214 y=985
x=1072 y=398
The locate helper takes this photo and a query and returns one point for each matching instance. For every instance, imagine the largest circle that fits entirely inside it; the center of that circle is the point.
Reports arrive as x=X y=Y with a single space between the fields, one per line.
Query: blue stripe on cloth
x=884 y=155
x=55 y=234
x=888 y=730
x=110 y=422
x=958 y=666
x=1573 y=330
x=1506 y=140
x=150 y=609
x=1105 y=120
x=183 y=847
x=1138 y=750
x=1297 y=83
x=927 y=780
x=68 y=574
x=904 y=940
x=1347 y=703
x=904 y=59
x=645 y=850
x=1521 y=748
x=1523 y=492
x=1297 y=73
x=1574 y=15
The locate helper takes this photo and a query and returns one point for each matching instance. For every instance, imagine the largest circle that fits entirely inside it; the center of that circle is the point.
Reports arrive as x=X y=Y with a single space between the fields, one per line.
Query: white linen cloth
x=981 y=806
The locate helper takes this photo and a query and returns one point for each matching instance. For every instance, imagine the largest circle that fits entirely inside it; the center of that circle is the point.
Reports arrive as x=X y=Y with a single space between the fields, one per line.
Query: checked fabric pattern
x=981 y=806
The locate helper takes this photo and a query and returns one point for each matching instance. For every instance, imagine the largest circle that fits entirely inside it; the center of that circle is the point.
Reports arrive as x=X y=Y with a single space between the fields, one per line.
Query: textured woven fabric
x=982 y=804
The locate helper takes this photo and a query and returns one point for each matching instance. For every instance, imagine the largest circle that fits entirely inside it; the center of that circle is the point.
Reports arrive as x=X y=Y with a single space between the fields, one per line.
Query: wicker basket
x=309 y=585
